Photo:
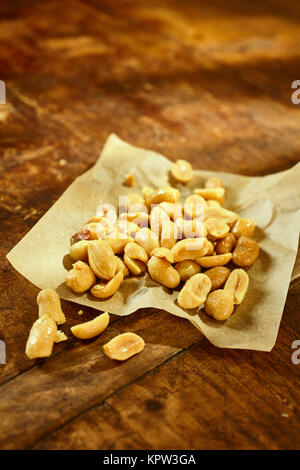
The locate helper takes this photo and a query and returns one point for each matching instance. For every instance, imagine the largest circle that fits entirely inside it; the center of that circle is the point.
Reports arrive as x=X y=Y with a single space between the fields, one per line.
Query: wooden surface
x=206 y=81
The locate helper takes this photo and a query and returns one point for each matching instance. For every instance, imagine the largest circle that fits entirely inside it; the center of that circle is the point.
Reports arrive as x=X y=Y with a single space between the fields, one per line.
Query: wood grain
x=210 y=83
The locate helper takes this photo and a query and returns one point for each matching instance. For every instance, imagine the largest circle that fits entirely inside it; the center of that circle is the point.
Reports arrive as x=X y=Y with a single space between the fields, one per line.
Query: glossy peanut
x=102 y=259
x=246 y=251
x=228 y=217
x=128 y=228
x=167 y=194
x=147 y=239
x=214 y=260
x=211 y=193
x=169 y=234
x=182 y=171
x=122 y=267
x=243 y=227
x=174 y=211
x=194 y=228
x=237 y=285
x=41 y=338
x=164 y=253
x=194 y=291
x=216 y=228
x=214 y=182
x=104 y=289
x=194 y=206
x=218 y=276
x=135 y=258
x=124 y=346
x=219 y=305
x=49 y=304
x=163 y=272
x=78 y=251
x=91 y=328
x=189 y=248
x=80 y=278
x=118 y=241
x=226 y=244
x=187 y=269
x=158 y=218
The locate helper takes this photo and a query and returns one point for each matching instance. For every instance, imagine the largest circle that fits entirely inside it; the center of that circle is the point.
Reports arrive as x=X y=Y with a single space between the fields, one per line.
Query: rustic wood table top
x=209 y=82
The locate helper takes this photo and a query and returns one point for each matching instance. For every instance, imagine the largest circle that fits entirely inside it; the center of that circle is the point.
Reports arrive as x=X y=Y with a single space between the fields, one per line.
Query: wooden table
x=206 y=81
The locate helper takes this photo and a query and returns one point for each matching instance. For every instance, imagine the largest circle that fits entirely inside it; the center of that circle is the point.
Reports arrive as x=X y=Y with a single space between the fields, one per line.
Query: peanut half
x=163 y=272
x=91 y=328
x=237 y=285
x=80 y=278
x=124 y=346
x=41 y=338
x=104 y=289
x=194 y=291
x=182 y=171
x=102 y=259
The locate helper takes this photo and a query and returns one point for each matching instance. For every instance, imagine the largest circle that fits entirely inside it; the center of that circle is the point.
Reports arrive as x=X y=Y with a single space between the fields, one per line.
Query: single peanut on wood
x=124 y=346
x=41 y=338
x=91 y=328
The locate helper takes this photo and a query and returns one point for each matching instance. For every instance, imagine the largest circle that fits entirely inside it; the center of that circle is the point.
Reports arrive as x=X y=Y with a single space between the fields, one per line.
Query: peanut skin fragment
x=124 y=346
x=91 y=328
x=41 y=338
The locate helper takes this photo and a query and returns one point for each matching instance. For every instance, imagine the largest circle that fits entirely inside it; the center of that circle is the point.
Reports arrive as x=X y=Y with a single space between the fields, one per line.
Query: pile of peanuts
x=189 y=242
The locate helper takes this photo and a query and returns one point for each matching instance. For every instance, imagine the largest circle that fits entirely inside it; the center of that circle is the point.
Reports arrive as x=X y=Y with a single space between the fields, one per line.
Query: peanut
x=163 y=195
x=190 y=248
x=228 y=217
x=213 y=182
x=162 y=272
x=244 y=227
x=218 y=276
x=158 y=218
x=216 y=228
x=194 y=206
x=214 y=260
x=139 y=218
x=41 y=338
x=80 y=278
x=237 y=285
x=118 y=241
x=187 y=269
x=124 y=346
x=182 y=171
x=194 y=228
x=102 y=259
x=246 y=251
x=211 y=193
x=104 y=289
x=164 y=253
x=49 y=304
x=169 y=234
x=91 y=328
x=174 y=211
x=135 y=258
x=219 y=305
x=226 y=244
x=78 y=251
x=122 y=267
x=214 y=204
x=147 y=239
x=194 y=291
x=128 y=228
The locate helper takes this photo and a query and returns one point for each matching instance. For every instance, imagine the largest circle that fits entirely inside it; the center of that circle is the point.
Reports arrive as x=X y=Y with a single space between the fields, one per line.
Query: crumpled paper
x=272 y=201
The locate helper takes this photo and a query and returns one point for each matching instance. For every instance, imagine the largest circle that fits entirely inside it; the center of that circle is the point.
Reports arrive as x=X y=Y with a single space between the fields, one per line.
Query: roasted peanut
x=78 y=251
x=214 y=182
x=174 y=211
x=214 y=204
x=124 y=346
x=163 y=195
x=128 y=228
x=158 y=218
x=182 y=171
x=118 y=241
x=169 y=234
x=108 y=211
x=216 y=228
x=218 y=276
x=97 y=230
x=244 y=227
x=129 y=180
x=161 y=271
x=135 y=258
x=104 y=289
x=41 y=338
x=246 y=251
x=91 y=328
x=219 y=305
x=190 y=248
x=226 y=244
x=194 y=291
x=237 y=285
x=80 y=278
x=147 y=239
x=187 y=269
x=194 y=228
x=139 y=218
x=49 y=304
x=102 y=259
x=228 y=217
x=211 y=193
x=122 y=267
x=194 y=206
x=131 y=201
x=164 y=253
x=214 y=260
x=146 y=192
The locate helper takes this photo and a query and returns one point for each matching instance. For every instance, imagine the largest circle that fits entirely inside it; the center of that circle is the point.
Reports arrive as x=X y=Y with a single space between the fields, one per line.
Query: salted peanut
x=97 y=229
x=213 y=203
x=214 y=260
x=128 y=228
x=80 y=278
x=132 y=199
x=216 y=228
x=78 y=251
x=194 y=228
x=122 y=267
x=182 y=171
x=41 y=338
x=187 y=269
x=194 y=206
x=228 y=217
x=118 y=241
x=158 y=218
x=92 y=328
x=141 y=219
x=169 y=235
x=104 y=289
x=102 y=259
x=218 y=276
x=237 y=285
x=124 y=346
x=49 y=304
x=189 y=248
x=146 y=192
x=108 y=211
x=167 y=194
x=129 y=180
x=164 y=253
x=211 y=193
x=163 y=272
x=147 y=239
x=246 y=252
x=214 y=182
x=219 y=305
x=135 y=258
x=210 y=247
x=226 y=244
x=174 y=211
x=244 y=227
x=84 y=234
x=60 y=336
x=194 y=291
